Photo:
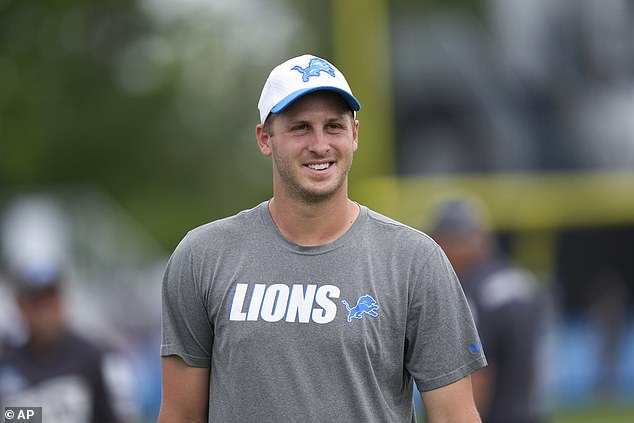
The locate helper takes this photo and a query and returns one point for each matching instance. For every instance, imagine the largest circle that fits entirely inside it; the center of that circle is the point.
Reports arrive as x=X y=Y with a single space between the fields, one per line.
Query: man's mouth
x=319 y=166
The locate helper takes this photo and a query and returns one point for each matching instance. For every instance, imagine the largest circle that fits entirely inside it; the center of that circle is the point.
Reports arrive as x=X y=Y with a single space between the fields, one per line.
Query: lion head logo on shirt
x=365 y=305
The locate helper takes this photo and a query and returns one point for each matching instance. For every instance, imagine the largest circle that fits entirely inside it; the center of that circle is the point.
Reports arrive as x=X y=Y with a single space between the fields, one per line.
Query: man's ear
x=355 y=135
x=264 y=140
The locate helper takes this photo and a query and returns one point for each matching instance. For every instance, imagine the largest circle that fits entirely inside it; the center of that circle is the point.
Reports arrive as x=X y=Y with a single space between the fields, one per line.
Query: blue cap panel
x=352 y=102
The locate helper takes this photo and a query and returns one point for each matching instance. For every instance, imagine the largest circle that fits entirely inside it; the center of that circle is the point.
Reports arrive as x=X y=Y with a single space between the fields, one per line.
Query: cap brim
x=353 y=103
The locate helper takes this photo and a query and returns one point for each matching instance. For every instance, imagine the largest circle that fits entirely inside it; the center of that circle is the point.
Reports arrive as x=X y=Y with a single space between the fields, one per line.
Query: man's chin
x=316 y=196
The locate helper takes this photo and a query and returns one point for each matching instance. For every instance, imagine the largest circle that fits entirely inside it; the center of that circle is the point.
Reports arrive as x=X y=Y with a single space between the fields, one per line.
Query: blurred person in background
x=11 y=331
x=504 y=301
x=55 y=368
x=609 y=299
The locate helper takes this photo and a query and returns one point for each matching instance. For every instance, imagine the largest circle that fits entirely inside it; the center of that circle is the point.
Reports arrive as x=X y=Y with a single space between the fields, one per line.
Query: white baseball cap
x=299 y=76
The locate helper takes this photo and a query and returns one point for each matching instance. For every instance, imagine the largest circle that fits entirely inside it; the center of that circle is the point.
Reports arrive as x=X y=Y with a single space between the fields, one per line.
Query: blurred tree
x=64 y=117
x=475 y=7
x=153 y=101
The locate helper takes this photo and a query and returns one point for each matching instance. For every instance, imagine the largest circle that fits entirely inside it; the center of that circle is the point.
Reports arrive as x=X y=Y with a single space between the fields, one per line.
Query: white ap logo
x=22 y=414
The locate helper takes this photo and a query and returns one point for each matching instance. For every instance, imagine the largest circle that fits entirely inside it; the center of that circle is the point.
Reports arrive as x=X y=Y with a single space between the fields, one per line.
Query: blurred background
x=123 y=124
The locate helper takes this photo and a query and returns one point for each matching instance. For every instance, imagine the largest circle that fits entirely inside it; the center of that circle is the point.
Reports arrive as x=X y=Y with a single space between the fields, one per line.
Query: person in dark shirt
x=55 y=369
x=505 y=304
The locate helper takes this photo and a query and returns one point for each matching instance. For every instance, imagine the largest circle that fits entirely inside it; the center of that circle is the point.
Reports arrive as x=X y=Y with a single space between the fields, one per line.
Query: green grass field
x=596 y=415
x=603 y=414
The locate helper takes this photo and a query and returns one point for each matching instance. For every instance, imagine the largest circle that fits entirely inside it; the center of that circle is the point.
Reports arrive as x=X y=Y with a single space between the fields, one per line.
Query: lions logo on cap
x=314 y=68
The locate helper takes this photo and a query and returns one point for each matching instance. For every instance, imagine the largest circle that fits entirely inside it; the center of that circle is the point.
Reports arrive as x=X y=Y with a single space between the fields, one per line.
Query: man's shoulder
x=9 y=351
x=226 y=227
x=401 y=232
x=78 y=345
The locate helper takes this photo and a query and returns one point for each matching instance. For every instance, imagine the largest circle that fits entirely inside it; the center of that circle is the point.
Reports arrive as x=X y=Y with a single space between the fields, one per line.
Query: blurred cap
x=299 y=76
x=36 y=278
x=457 y=217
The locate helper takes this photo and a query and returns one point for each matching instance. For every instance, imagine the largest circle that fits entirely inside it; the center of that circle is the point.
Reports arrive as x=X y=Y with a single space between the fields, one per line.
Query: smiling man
x=311 y=307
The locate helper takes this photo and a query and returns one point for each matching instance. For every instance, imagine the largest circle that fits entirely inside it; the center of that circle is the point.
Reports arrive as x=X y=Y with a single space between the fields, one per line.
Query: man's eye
x=299 y=128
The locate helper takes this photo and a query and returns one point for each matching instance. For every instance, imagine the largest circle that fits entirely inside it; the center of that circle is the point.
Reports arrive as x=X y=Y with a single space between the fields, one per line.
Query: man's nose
x=319 y=143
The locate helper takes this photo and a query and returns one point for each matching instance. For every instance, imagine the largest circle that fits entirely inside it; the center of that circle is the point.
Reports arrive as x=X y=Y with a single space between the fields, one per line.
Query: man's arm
x=185 y=392
x=482 y=388
x=451 y=403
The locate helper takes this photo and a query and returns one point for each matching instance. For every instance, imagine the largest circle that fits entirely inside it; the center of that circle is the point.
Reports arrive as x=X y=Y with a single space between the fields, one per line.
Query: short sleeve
x=442 y=344
x=186 y=330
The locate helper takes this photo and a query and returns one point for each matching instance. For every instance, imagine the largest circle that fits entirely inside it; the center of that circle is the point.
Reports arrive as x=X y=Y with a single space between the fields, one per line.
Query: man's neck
x=310 y=224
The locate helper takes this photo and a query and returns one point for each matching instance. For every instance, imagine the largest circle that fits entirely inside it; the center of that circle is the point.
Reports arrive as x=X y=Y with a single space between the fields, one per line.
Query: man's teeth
x=319 y=166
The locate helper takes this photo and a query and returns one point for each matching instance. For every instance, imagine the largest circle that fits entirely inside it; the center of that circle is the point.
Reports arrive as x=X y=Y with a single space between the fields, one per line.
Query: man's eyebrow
x=291 y=121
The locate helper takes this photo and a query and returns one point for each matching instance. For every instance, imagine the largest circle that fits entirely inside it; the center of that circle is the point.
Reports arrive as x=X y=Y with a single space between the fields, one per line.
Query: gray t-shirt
x=331 y=333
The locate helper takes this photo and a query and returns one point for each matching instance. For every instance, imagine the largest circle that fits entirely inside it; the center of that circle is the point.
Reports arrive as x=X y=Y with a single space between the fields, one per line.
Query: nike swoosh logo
x=476 y=347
